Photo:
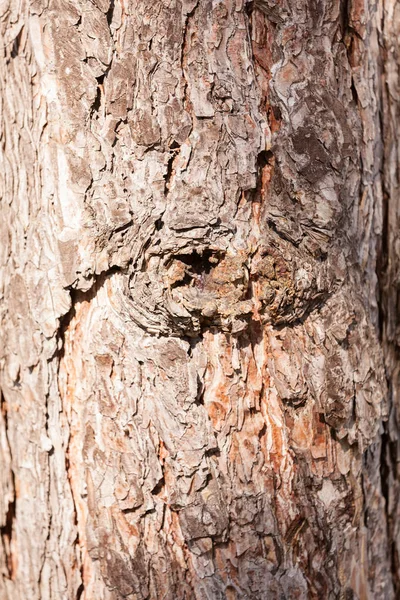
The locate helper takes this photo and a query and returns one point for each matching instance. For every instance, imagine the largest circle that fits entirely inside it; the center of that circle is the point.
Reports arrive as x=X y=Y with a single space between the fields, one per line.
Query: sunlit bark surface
x=199 y=267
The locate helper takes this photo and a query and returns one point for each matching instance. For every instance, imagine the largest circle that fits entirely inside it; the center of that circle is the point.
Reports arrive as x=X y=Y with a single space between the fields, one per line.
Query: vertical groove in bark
x=196 y=199
x=389 y=269
x=8 y=501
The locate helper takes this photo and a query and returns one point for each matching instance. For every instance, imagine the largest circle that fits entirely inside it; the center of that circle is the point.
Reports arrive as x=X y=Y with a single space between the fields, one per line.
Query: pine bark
x=199 y=275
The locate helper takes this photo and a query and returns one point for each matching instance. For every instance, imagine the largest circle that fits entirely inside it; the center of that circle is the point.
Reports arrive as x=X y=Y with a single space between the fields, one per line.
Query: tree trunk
x=200 y=263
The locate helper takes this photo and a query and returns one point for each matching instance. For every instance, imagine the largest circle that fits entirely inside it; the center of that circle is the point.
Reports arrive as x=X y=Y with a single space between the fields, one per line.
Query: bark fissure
x=8 y=520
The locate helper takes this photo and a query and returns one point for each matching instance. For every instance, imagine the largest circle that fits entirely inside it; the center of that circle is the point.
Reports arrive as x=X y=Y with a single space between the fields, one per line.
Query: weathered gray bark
x=200 y=259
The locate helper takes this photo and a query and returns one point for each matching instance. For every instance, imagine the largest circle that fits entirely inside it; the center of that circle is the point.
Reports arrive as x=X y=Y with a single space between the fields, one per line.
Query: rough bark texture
x=199 y=335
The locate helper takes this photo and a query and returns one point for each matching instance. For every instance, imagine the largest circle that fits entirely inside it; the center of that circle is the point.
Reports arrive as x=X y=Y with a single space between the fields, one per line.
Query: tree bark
x=200 y=258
